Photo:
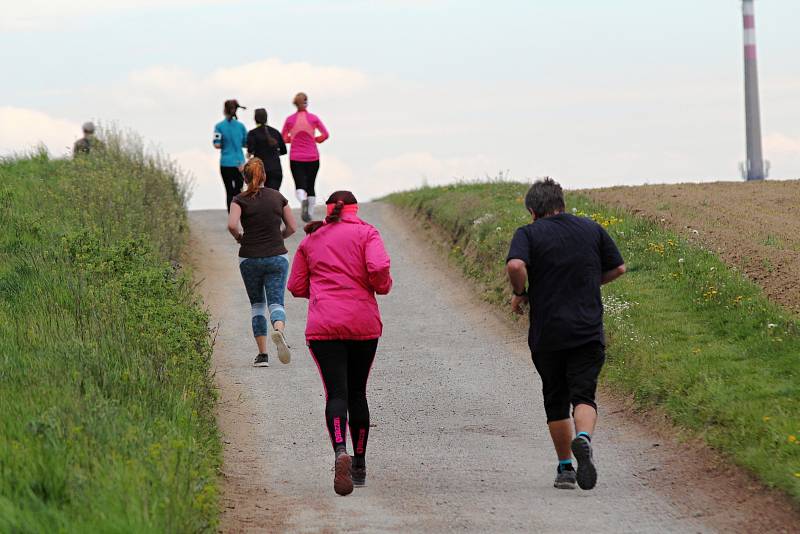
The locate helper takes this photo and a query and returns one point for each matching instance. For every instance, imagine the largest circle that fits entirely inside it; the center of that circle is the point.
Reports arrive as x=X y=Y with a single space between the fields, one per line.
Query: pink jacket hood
x=340 y=268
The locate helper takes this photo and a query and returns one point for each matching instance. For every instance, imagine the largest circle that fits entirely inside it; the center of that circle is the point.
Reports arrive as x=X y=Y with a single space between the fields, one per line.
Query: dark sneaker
x=565 y=479
x=359 y=476
x=342 y=479
x=262 y=360
x=587 y=473
x=304 y=213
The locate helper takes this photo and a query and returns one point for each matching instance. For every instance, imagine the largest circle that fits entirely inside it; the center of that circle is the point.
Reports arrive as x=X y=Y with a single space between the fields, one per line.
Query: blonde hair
x=300 y=97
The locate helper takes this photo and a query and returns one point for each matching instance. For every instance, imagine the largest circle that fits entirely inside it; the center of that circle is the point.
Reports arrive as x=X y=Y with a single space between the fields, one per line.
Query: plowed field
x=754 y=227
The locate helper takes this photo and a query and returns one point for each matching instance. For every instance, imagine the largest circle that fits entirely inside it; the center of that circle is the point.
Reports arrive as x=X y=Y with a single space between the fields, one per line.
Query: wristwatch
x=523 y=294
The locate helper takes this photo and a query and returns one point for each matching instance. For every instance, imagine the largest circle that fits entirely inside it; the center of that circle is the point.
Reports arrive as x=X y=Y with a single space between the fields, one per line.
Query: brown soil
x=753 y=226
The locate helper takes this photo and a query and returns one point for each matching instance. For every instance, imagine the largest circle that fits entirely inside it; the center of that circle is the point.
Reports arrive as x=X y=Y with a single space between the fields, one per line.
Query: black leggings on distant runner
x=274 y=176
x=233 y=180
x=305 y=175
x=344 y=366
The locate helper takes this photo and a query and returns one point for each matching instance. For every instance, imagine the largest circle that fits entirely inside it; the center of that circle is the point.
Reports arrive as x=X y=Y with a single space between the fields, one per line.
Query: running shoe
x=283 y=348
x=342 y=479
x=359 y=476
x=565 y=479
x=587 y=473
x=262 y=360
x=304 y=214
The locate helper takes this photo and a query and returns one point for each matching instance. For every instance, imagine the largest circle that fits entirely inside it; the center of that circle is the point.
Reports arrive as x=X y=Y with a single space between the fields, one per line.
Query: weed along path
x=459 y=442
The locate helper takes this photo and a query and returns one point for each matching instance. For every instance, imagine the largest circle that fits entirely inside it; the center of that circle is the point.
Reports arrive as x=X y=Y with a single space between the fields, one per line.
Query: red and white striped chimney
x=754 y=166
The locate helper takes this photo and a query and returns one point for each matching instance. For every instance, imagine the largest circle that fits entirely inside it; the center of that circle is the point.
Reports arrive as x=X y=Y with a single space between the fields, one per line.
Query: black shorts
x=569 y=377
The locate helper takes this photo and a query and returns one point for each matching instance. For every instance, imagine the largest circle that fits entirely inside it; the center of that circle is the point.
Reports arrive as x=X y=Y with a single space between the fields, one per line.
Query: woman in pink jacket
x=339 y=267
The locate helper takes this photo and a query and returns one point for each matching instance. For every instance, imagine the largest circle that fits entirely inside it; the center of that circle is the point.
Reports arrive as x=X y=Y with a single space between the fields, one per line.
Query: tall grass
x=687 y=334
x=107 y=406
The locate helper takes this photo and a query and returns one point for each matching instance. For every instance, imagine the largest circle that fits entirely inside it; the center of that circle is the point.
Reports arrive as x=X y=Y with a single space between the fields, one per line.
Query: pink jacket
x=340 y=268
x=300 y=130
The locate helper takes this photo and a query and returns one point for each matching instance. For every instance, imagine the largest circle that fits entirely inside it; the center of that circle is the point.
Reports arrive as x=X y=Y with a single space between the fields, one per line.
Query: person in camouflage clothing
x=88 y=143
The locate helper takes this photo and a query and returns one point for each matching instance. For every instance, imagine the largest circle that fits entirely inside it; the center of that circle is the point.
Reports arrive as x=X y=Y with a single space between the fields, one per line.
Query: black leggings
x=305 y=175
x=233 y=180
x=274 y=177
x=344 y=366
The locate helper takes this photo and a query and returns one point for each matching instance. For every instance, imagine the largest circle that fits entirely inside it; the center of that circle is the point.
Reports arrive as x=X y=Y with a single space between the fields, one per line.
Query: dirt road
x=459 y=442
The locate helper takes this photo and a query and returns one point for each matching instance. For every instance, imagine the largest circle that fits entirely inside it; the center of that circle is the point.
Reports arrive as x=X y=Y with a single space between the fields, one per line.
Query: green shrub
x=107 y=421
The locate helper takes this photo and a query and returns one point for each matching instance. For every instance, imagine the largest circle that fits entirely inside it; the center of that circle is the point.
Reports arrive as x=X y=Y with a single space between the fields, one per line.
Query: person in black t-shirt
x=564 y=259
x=266 y=143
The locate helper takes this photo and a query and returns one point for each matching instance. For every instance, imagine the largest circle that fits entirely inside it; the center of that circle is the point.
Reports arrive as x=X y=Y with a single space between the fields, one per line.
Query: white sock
x=312 y=201
x=301 y=194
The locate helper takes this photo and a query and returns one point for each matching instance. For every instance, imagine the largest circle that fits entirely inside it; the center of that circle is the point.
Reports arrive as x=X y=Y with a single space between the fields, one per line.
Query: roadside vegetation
x=687 y=334
x=107 y=420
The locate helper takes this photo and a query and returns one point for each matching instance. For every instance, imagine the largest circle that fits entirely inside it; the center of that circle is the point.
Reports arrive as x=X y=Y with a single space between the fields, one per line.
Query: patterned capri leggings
x=265 y=282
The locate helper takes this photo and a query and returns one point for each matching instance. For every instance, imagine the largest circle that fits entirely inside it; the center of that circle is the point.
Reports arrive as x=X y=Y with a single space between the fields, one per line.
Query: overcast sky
x=592 y=93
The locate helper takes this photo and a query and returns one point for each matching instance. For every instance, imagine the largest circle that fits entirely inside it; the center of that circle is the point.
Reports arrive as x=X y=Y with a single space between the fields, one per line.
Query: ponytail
x=261 y=120
x=339 y=199
x=231 y=107
x=255 y=176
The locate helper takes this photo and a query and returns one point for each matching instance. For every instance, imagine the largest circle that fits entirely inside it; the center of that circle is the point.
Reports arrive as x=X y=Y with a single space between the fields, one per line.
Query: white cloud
x=273 y=78
x=270 y=79
x=22 y=128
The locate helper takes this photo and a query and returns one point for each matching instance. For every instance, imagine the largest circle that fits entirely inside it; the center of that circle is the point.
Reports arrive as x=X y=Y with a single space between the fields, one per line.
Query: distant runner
x=300 y=130
x=255 y=222
x=565 y=259
x=88 y=143
x=230 y=136
x=339 y=267
x=266 y=143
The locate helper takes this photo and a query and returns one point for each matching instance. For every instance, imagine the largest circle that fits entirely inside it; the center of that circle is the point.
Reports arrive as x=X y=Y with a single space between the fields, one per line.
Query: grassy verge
x=106 y=422
x=687 y=334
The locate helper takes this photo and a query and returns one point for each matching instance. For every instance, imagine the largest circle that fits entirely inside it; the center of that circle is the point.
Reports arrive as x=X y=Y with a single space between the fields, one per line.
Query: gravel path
x=459 y=441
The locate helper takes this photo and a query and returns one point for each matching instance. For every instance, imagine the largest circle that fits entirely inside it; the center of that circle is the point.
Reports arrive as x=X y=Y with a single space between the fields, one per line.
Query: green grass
x=687 y=334
x=107 y=418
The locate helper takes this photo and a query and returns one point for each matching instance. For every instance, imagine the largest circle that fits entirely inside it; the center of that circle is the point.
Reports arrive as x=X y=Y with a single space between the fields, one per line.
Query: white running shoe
x=284 y=355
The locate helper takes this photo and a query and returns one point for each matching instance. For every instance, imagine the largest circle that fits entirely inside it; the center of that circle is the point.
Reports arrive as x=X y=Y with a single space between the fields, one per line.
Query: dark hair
x=231 y=107
x=545 y=197
x=260 y=117
x=339 y=199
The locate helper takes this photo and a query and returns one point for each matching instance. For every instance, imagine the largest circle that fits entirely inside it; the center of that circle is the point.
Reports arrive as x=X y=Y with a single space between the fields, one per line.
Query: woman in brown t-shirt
x=255 y=221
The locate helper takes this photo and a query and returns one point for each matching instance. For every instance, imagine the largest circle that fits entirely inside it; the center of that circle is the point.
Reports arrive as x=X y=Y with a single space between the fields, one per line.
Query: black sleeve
x=251 y=142
x=610 y=257
x=520 y=248
x=281 y=144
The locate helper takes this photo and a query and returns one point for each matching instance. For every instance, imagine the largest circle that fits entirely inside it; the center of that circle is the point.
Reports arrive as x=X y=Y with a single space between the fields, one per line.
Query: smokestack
x=754 y=166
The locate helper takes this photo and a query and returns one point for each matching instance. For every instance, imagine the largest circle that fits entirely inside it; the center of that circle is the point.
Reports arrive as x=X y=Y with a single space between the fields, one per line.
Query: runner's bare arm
x=288 y=220
x=518 y=276
x=234 y=222
x=613 y=274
